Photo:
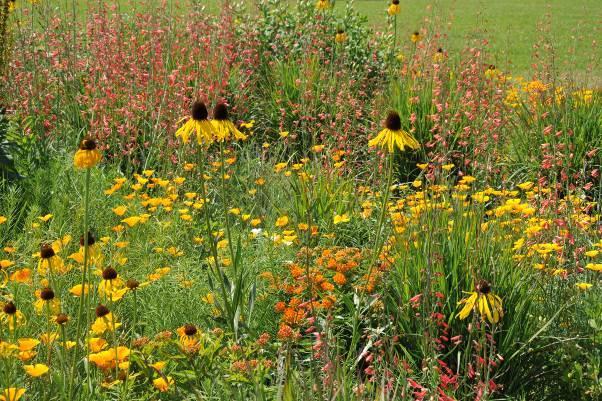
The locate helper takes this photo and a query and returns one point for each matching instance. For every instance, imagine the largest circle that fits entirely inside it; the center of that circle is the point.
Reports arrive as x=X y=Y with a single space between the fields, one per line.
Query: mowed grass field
x=512 y=28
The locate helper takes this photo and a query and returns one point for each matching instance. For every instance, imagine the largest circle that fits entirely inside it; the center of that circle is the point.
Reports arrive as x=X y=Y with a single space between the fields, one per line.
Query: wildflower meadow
x=300 y=200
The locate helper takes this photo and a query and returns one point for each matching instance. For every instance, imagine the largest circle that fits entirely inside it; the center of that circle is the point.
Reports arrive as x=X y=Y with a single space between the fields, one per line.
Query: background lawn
x=512 y=27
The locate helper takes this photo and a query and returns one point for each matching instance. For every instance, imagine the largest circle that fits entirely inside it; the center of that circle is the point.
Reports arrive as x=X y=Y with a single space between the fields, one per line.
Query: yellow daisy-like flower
x=393 y=8
x=341 y=36
x=486 y=303
x=223 y=127
x=415 y=37
x=163 y=384
x=323 y=5
x=393 y=136
x=87 y=155
x=199 y=124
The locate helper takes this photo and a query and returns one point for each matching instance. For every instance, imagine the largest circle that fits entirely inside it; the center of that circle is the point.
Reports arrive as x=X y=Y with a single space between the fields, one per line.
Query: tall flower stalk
x=86 y=157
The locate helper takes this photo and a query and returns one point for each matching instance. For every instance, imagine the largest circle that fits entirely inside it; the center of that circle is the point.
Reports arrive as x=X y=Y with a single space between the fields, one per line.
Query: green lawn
x=512 y=27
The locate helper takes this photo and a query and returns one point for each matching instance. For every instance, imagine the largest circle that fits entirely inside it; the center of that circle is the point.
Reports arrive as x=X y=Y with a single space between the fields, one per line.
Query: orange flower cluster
x=314 y=289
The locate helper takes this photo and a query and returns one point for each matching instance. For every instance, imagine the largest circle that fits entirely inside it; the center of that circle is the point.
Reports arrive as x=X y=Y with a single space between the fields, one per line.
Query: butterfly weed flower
x=393 y=8
x=392 y=136
x=224 y=128
x=197 y=124
x=487 y=304
x=87 y=155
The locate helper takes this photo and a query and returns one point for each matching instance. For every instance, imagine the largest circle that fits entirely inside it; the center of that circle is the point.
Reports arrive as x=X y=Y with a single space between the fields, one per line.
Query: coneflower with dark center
x=224 y=128
x=198 y=124
x=9 y=308
x=392 y=136
x=101 y=311
x=87 y=155
x=47 y=294
x=109 y=274
x=46 y=251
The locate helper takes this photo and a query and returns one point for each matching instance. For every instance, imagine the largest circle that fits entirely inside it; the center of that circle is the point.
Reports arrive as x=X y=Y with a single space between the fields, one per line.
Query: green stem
x=83 y=298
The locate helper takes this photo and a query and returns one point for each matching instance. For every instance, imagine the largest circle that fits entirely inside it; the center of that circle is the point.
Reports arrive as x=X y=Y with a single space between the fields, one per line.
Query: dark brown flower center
x=47 y=294
x=220 y=112
x=91 y=239
x=395 y=2
x=483 y=287
x=199 y=111
x=132 y=284
x=109 y=273
x=61 y=318
x=10 y=308
x=87 y=144
x=190 y=329
x=393 y=121
x=101 y=311
x=46 y=251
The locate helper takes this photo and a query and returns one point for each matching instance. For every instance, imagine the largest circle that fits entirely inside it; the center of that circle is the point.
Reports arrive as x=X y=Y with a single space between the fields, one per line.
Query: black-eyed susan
x=393 y=8
x=439 y=56
x=415 y=37
x=484 y=301
x=198 y=124
x=341 y=36
x=87 y=155
x=322 y=4
x=223 y=127
x=393 y=136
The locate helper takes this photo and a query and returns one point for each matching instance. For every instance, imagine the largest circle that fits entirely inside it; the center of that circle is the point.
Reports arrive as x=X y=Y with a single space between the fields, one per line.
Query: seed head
x=190 y=329
x=10 y=308
x=220 y=112
x=61 y=319
x=109 y=273
x=483 y=287
x=87 y=144
x=91 y=239
x=101 y=310
x=393 y=121
x=47 y=294
x=199 y=111
x=132 y=284
x=46 y=251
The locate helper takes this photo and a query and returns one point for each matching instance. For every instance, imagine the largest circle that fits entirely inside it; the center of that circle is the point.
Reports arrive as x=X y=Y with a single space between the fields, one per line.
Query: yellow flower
x=282 y=221
x=2 y=219
x=392 y=136
x=163 y=384
x=105 y=323
x=45 y=218
x=393 y=8
x=36 y=370
x=415 y=37
x=198 y=124
x=120 y=210
x=583 y=286
x=491 y=72
x=525 y=186
x=12 y=394
x=322 y=5
x=224 y=128
x=488 y=304
x=338 y=219
x=341 y=36
x=87 y=155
